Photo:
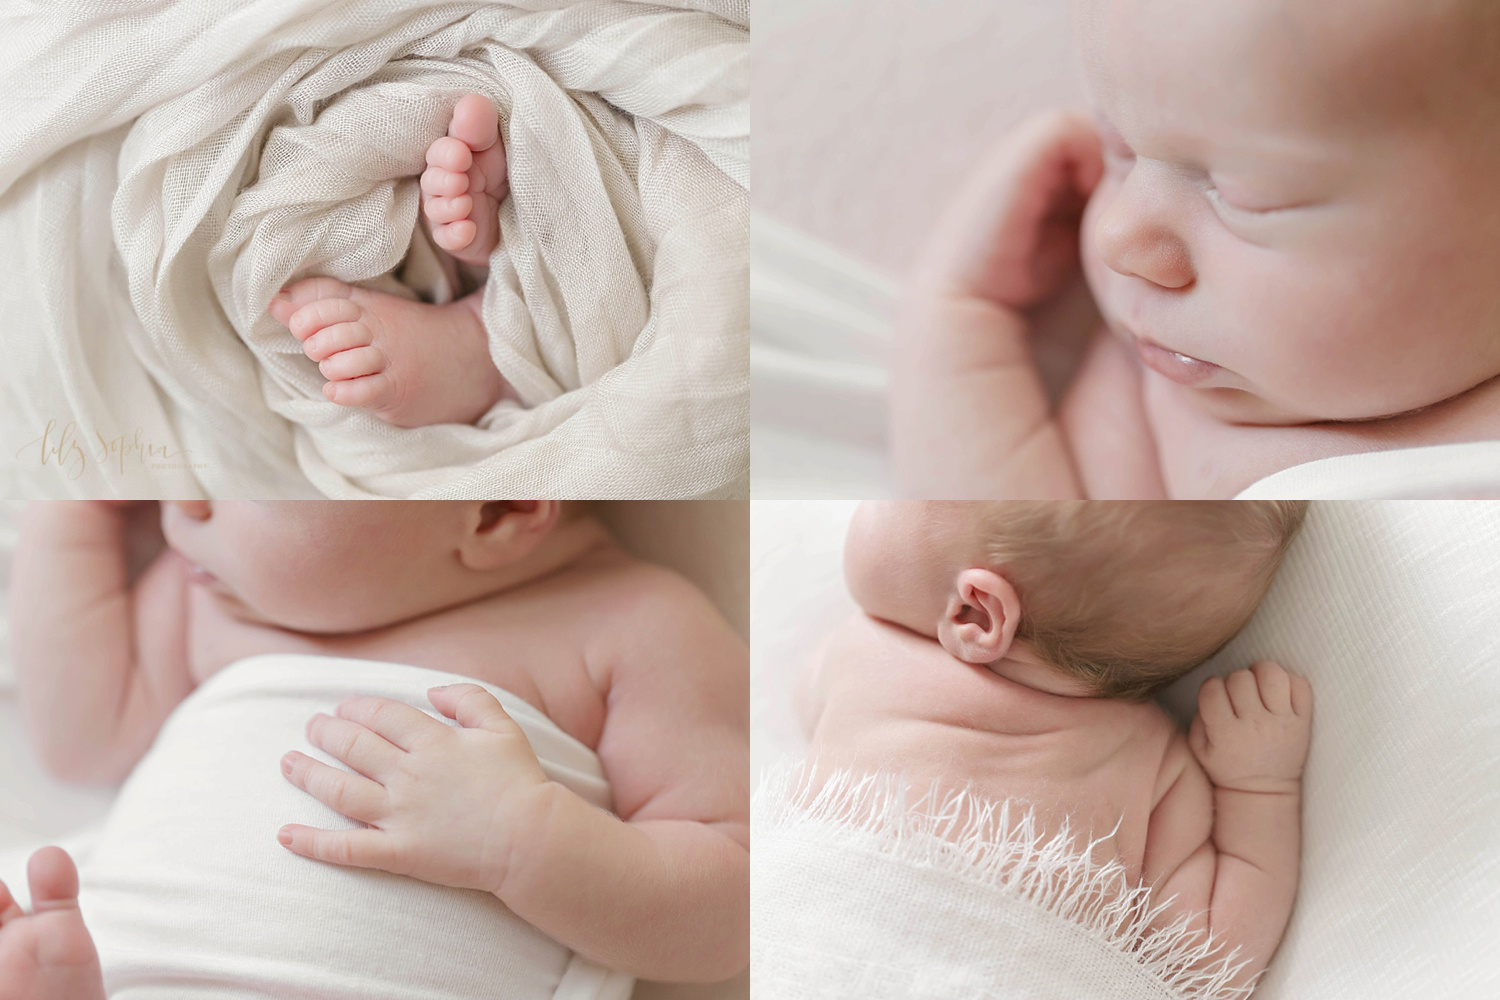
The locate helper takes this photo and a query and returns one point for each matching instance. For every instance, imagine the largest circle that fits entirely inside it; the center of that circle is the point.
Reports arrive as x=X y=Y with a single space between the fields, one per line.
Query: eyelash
x=1217 y=198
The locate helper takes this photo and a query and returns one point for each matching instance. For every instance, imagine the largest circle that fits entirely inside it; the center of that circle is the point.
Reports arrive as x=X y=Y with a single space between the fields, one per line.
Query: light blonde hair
x=1130 y=595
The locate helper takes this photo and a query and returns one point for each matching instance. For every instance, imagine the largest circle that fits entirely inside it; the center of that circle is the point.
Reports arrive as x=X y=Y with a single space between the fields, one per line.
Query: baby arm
x=663 y=891
x=1251 y=736
x=970 y=415
x=99 y=662
x=658 y=889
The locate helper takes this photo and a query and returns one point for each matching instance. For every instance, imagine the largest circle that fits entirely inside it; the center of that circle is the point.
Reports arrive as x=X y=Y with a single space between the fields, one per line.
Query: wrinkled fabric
x=166 y=168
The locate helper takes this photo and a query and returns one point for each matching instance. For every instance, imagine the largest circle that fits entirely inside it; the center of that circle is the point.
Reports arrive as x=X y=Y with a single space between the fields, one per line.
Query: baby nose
x=1135 y=237
x=198 y=510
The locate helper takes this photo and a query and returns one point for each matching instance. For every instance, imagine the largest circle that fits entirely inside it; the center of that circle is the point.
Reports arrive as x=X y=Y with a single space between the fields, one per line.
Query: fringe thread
x=999 y=845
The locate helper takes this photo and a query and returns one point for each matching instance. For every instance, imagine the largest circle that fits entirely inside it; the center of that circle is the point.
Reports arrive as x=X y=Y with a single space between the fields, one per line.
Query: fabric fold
x=173 y=168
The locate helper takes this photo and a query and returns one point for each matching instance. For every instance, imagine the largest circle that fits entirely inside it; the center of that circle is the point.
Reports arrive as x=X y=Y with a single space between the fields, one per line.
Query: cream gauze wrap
x=190 y=897
x=165 y=168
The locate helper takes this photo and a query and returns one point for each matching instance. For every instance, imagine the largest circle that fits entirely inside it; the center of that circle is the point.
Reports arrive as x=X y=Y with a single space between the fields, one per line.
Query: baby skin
x=1285 y=270
x=622 y=655
x=48 y=953
x=931 y=682
x=412 y=363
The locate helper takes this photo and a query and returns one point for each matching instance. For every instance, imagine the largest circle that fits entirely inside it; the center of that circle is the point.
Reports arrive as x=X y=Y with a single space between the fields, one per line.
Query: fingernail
x=286 y=764
x=285 y=836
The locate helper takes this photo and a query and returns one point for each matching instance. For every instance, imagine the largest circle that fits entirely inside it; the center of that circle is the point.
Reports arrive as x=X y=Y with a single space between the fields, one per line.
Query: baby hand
x=1252 y=728
x=1011 y=237
x=443 y=805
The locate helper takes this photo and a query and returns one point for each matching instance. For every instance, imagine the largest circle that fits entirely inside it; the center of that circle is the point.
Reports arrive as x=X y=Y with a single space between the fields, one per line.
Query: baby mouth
x=1180 y=368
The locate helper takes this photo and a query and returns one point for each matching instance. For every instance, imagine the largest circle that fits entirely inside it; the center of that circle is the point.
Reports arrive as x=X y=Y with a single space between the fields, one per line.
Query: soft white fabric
x=1390 y=609
x=165 y=169
x=189 y=896
x=866 y=889
x=1449 y=470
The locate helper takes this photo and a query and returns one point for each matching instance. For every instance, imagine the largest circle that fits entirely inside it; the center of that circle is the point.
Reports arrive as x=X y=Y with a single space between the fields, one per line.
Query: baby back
x=898 y=702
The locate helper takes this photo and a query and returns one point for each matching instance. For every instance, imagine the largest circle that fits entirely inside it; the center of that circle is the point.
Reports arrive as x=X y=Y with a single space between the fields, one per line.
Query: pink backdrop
x=867 y=112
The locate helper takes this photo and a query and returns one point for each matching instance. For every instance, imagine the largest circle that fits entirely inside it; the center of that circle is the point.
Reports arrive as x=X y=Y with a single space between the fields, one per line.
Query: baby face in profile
x=1298 y=218
x=1111 y=598
x=317 y=566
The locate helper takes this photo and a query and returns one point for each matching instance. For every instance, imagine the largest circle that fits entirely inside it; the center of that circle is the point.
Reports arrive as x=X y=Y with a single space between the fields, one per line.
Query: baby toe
x=475 y=122
x=353 y=363
x=308 y=290
x=440 y=183
x=450 y=154
x=9 y=908
x=281 y=308
x=455 y=235
x=444 y=210
x=333 y=339
x=369 y=390
x=53 y=878
x=314 y=316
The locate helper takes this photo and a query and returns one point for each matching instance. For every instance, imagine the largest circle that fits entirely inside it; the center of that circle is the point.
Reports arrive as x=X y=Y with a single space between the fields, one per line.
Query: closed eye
x=1239 y=207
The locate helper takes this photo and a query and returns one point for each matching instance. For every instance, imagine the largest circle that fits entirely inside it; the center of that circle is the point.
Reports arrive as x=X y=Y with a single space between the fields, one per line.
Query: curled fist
x=1252 y=729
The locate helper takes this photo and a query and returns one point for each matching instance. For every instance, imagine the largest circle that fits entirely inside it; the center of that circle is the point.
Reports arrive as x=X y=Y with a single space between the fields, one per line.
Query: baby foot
x=412 y=363
x=465 y=182
x=48 y=953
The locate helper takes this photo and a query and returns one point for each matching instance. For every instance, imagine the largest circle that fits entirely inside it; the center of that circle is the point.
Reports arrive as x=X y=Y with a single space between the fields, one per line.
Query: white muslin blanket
x=1452 y=471
x=166 y=168
x=865 y=890
x=190 y=897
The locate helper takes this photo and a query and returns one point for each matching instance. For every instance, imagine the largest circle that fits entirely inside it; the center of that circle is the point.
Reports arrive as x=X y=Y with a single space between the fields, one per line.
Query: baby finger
x=366 y=848
x=1244 y=694
x=349 y=794
x=1213 y=701
x=1275 y=686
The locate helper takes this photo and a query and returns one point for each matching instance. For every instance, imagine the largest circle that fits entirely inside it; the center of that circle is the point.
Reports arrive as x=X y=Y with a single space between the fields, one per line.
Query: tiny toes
x=281 y=308
x=332 y=339
x=9 y=908
x=371 y=390
x=353 y=363
x=440 y=183
x=450 y=154
x=324 y=312
x=455 y=235
x=444 y=210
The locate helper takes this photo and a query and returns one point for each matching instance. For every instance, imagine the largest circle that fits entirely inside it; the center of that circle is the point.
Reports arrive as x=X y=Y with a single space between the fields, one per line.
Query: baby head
x=1299 y=217
x=1116 y=597
x=327 y=566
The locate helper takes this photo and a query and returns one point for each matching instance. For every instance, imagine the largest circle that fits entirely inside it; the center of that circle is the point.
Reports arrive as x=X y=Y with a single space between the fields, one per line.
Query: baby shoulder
x=655 y=619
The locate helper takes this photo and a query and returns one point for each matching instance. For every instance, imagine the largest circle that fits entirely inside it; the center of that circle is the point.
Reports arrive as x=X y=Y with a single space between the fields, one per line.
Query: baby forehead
x=1270 y=60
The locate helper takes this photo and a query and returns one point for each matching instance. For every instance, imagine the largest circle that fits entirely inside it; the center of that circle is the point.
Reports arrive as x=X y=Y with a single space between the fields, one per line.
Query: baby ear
x=499 y=532
x=980 y=619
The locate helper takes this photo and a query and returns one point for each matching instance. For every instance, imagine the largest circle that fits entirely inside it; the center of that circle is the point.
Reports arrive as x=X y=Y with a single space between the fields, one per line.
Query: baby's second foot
x=412 y=363
x=465 y=182
x=47 y=954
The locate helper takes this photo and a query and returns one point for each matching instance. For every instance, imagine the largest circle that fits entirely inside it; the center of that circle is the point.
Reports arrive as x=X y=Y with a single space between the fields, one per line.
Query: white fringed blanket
x=864 y=890
x=165 y=168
